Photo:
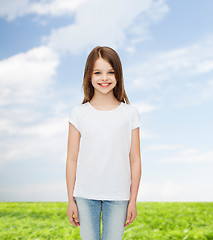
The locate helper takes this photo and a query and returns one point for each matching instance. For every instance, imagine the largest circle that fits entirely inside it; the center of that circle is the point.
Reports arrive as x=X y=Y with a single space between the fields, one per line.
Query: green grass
x=155 y=220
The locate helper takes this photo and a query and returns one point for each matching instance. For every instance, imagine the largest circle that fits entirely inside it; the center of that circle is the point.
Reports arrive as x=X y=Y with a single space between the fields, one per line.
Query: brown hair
x=111 y=56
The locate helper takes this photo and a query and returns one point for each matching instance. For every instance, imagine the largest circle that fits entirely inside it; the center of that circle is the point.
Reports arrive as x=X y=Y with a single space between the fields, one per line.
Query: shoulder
x=134 y=111
x=79 y=110
x=126 y=105
x=134 y=108
x=131 y=107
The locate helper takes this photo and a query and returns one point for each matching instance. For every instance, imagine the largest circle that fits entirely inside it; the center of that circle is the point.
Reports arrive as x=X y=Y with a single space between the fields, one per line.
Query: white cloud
x=189 y=151
x=25 y=76
x=155 y=147
x=11 y=9
x=18 y=8
x=183 y=154
x=44 y=141
x=168 y=66
x=199 y=92
x=130 y=49
x=144 y=107
x=188 y=157
x=146 y=134
x=96 y=22
x=55 y=7
x=103 y=23
x=169 y=191
x=49 y=127
x=26 y=81
x=36 y=141
x=35 y=192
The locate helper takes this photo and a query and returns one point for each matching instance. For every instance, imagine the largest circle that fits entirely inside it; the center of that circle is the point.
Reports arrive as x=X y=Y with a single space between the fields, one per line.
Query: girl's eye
x=109 y=72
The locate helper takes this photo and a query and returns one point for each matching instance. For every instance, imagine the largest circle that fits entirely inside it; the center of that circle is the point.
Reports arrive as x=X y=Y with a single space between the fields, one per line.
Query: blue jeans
x=114 y=214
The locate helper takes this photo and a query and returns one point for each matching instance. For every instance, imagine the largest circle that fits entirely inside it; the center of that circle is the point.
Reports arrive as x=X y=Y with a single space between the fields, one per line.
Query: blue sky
x=166 y=48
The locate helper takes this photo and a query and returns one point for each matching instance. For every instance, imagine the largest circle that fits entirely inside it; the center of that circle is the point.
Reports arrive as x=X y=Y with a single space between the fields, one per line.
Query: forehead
x=100 y=63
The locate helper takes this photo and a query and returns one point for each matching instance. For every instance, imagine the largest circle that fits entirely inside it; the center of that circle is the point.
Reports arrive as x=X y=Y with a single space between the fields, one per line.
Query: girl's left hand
x=131 y=212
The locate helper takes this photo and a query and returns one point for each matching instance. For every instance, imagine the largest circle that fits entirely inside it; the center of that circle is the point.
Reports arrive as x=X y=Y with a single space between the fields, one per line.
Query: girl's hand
x=72 y=209
x=131 y=212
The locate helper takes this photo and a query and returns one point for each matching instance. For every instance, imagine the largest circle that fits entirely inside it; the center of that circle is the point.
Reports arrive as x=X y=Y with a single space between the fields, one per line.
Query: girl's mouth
x=104 y=84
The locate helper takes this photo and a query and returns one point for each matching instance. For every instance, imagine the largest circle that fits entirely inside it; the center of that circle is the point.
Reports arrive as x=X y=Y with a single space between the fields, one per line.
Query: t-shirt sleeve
x=74 y=118
x=135 y=118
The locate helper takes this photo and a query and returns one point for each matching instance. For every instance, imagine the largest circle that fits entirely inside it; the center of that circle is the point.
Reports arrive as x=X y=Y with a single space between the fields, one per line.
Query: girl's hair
x=111 y=56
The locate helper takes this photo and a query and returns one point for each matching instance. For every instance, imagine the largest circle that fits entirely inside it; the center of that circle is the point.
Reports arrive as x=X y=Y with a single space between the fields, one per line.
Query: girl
x=103 y=167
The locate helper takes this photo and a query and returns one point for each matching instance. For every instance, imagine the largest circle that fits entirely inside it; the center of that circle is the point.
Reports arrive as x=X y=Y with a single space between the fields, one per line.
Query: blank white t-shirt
x=103 y=166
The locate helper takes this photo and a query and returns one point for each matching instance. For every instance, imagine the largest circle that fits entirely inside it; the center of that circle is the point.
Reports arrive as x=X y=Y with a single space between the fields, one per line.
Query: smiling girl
x=103 y=167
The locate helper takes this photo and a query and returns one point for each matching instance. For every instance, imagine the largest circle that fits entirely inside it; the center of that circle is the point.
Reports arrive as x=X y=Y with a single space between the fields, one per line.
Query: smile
x=104 y=84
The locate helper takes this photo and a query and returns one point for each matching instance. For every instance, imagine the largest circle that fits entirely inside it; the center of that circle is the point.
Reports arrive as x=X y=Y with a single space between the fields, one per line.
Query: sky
x=166 y=50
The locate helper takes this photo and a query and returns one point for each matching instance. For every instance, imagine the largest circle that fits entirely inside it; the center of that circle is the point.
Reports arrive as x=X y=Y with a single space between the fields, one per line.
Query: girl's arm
x=135 y=164
x=72 y=157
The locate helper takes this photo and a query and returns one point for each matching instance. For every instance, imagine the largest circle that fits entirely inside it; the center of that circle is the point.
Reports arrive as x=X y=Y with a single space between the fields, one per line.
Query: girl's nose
x=104 y=76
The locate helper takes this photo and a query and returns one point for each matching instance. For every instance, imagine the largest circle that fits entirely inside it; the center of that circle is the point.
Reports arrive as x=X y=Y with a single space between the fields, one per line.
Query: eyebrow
x=99 y=69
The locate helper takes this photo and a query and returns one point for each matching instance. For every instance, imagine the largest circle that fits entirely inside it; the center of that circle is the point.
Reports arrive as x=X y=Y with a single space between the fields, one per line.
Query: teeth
x=104 y=84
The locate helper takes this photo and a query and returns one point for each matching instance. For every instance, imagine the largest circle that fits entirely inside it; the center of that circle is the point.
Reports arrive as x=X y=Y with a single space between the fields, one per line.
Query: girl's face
x=103 y=76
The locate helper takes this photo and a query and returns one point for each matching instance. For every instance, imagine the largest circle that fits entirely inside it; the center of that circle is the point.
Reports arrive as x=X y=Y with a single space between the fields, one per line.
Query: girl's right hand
x=72 y=209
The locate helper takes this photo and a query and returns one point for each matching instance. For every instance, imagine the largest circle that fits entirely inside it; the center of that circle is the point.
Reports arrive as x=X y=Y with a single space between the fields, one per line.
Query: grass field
x=155 y=220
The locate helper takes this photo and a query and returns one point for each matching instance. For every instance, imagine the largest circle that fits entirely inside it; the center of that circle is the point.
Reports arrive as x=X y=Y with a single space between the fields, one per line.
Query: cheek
x=114 y=80
x=95 y=77
x=94 y=80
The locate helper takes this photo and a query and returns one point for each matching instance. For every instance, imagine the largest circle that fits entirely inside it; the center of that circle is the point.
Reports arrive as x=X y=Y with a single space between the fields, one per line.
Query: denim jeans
x=114 y=214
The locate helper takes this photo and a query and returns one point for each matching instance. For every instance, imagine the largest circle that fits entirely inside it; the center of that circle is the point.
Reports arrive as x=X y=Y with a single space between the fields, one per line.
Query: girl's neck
x=104 y=102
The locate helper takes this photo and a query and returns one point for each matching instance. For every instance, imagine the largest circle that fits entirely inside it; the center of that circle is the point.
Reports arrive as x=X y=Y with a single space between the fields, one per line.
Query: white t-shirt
x=103 y=167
